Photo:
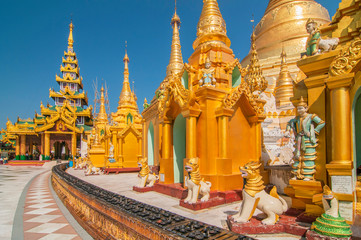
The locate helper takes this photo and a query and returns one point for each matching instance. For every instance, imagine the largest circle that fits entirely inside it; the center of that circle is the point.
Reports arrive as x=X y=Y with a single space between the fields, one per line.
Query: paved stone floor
x=123 y=184
x=42 y=216
x=30 y=209
x=12 y=182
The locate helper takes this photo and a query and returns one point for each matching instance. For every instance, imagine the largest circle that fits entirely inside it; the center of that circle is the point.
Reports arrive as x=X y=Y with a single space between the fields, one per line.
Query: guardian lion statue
x=254 y=196
x=92 y=170
x=145 y=178
x=195 y=185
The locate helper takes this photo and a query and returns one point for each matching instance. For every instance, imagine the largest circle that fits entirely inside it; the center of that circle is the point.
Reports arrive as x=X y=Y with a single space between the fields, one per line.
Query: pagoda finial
x=211 y=25
x=126 y=94
x=70 y=39
x=102 y=116
x=254 y=77
x=284 y=84
x=126 y=58
x=176 y=60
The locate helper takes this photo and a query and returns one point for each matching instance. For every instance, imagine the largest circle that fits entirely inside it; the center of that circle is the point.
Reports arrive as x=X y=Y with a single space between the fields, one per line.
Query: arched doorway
x=60 y=150
x=357 y=130
x=179 y=147
x=150 y=140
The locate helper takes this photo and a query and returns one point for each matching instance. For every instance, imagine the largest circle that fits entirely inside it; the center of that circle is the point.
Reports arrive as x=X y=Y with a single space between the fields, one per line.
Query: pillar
x=166 y=165
x=17 y=146
x=340 y=166
x=41 y=143
x=224 y=164
x=191 y=137
x=120 y=151
x=22 y=144
x=47 y=144
x=139 y=147
x=73 y=144
x=31 y=147
x=115 y=144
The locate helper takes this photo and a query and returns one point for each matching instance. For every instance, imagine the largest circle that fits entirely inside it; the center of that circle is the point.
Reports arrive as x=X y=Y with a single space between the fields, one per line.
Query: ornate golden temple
x=57 y=131
x=118 y=144
x=203 y=107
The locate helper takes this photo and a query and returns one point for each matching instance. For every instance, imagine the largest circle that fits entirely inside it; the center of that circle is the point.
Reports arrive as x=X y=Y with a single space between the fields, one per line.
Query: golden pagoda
x=125 y=133
x=284 y=84
x=206 y=110
x=58 y=129
x=282 y=27
x=333 y=86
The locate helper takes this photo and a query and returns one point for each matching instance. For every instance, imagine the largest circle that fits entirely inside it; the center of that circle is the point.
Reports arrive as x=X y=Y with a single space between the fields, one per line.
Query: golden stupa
x=283 y=27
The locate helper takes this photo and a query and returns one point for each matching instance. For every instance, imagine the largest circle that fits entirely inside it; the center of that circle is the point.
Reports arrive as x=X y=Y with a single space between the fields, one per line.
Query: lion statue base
x=195 y=185
x=254 y=196
x=146 y=179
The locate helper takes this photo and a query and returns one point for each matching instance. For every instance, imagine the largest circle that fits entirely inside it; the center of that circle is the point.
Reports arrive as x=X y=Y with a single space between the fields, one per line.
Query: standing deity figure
x=313 y=38
x=207 y=75
x=305 y=127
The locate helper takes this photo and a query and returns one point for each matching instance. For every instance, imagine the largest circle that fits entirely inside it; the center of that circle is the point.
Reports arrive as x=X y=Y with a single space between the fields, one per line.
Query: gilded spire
x=284 y=84
x=176 y=60
x=211 y=25
x=70 y=39
x=102 y=115
x=254 y=77
x=126 y=97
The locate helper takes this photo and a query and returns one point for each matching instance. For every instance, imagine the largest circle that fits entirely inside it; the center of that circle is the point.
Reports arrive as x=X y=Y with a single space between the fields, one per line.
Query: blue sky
x=34 y=36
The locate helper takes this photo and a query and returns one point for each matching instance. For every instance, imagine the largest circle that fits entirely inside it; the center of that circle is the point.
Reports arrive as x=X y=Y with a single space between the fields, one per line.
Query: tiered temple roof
x=70 y=101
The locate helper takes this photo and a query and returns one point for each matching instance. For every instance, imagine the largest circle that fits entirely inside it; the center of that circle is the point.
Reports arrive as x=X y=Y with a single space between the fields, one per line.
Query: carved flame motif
x=173 y=88
x=243 y=89
x=347 y=59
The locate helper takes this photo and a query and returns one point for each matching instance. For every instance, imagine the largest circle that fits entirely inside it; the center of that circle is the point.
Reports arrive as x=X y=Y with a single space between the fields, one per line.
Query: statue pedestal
x=302 y=194
x=97 y=156
x=143 y=189
x=286 y=224
x=311 y=235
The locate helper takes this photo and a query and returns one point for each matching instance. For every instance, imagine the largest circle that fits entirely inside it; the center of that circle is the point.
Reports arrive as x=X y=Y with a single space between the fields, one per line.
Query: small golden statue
x=207 y=75
x=254 y=196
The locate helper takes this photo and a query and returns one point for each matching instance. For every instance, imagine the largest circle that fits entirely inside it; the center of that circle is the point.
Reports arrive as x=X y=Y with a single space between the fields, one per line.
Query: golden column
x=73 y=144
x=120 y=153
x=17 y=147
x=115 y=144
x=166 y=163
x=42 y=144
x=47 y=144
x=224 y=164
x=139 y=141
x=340 y=167
x=341 y=160
x=22 y=144
x=191 y=133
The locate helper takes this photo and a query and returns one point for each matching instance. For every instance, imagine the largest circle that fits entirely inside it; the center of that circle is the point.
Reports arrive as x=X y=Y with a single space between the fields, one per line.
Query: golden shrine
x=58 y=130
x=206 y=108
x=118 y=144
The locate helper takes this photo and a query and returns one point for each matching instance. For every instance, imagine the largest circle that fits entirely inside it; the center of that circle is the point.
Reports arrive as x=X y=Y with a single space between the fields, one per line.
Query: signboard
x=341 y=184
